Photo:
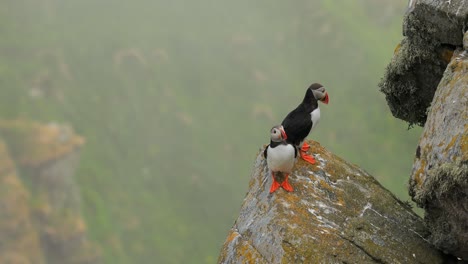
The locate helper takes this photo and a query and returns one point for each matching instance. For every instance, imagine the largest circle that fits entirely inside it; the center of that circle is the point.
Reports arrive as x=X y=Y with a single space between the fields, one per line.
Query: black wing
x=265 y=154
x=297 y=126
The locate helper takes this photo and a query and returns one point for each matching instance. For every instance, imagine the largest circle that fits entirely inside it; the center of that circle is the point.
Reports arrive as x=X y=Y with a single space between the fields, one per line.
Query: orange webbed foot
x=305 y=147
x=275 y=185
x=286 y=186
x=307 y=158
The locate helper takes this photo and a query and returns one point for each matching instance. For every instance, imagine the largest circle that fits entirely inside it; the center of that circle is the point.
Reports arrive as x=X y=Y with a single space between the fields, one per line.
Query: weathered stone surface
x=33 y=144
x=63 y=231
x=411 y=79
x=47 y=156
x=19 y=241
x=432 y=29
x=337 y=213
x=439 y=180
x=439 y=21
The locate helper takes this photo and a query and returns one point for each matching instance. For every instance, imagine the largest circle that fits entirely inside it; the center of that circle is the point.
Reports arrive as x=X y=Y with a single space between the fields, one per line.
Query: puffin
x=300 y=121
x=280 y=157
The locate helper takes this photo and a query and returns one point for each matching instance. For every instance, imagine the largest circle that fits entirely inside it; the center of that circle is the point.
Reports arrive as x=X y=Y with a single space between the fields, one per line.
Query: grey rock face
x=337 y=213
x=439 y=179
x=433 y=29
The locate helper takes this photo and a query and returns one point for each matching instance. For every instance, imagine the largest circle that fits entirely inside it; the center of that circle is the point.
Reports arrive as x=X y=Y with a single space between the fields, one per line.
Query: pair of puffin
x=286 y=140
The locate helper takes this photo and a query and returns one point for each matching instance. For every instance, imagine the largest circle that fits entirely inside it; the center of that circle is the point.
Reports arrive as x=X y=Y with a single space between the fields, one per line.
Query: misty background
x=175 y=99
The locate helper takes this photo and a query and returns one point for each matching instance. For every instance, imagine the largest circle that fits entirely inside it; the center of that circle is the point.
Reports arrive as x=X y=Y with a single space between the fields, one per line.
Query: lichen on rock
x=337 y=213
x=432 y=30
x=19 y=240
x=411 y=79
x=47 y=156
x=33 y=144
x=439 y=179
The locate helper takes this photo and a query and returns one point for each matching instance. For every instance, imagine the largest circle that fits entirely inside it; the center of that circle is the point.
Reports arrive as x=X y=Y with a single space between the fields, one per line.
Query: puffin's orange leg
x=305 y=147
x=275 y=185
x=285 y=184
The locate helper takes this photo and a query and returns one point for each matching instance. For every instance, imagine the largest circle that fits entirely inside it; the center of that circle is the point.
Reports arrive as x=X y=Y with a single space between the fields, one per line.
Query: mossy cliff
x=439 y=180
x=19 y=240
x=40 y=220
x=432 y=30
x=337 y=213
x=426 y=83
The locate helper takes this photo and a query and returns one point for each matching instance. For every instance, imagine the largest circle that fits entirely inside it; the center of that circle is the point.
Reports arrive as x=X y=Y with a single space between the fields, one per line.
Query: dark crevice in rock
x=376 y=259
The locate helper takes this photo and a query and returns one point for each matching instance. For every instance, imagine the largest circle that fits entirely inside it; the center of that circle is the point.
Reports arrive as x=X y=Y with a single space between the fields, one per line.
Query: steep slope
x=337 y=213
x=426 y=84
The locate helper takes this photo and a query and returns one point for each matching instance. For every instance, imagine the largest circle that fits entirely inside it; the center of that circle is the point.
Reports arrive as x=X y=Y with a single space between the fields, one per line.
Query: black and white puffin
x=280 y=157
x=299 y=122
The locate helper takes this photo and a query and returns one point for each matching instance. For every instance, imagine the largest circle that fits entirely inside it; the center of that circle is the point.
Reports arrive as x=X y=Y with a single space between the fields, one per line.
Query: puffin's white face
x=277 y=134
x=321 y=94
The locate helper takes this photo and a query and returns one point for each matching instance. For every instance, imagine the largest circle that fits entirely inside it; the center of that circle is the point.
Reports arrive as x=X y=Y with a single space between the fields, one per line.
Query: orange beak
x=283 y=133
x=325 y=99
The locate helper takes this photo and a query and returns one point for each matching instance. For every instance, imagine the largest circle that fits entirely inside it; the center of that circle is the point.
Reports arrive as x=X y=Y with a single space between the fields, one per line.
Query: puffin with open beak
x=280 y=157
x=299 y=122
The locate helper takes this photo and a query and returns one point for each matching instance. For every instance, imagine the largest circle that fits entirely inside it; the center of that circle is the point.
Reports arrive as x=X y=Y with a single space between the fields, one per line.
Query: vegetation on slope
x=174 y=99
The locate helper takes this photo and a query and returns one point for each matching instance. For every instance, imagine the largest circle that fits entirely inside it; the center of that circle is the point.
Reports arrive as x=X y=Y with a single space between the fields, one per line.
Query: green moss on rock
x=439 y=179
x=432 y=30
x=19 y=240
x=43 y=222
x=32 y=143
x=337 y=213
x=410 y=80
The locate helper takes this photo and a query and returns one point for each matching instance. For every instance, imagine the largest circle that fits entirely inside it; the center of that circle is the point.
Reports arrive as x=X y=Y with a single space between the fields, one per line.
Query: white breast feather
x=315 y=116
x=281 y=158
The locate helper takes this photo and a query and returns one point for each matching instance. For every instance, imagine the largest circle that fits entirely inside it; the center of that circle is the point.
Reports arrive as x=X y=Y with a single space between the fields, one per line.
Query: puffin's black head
x=319 y=92
x=277 y=134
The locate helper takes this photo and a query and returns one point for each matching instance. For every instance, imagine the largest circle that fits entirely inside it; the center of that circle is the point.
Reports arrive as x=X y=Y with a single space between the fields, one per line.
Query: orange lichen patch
x=464 y=143
x=451 y=143
x=12 y=180
x=340 y=201
x=19 y=236
x=325 y=186
x=418 y=175
x=244 y=251
x=80 y=225
x=32 y=144
x=446 y=55
x=458 y=65
x=397 y=48
x=247 y=253
x=233 y=235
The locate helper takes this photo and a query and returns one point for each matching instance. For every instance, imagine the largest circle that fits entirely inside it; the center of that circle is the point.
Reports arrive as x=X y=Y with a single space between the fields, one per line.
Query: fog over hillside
x=173 y=100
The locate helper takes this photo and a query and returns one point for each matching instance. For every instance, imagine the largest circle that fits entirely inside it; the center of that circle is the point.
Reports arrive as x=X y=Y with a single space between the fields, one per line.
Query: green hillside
x=175 y=98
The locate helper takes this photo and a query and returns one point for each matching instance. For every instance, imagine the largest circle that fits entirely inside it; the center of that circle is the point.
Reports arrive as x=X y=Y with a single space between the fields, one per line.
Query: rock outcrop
x=439 y=180
x=19 y=240
x=337 y=213
x=426 y=84
x=46 y=157
x=432 y=30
